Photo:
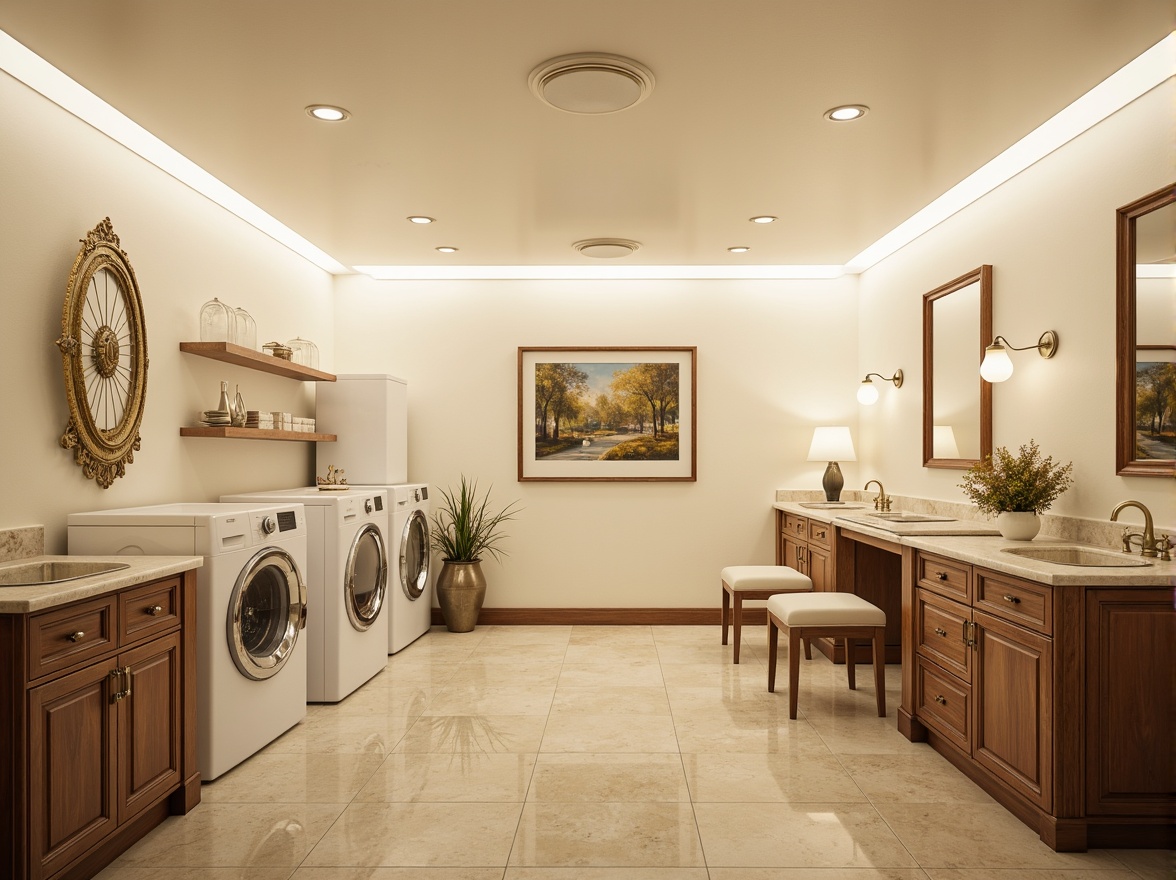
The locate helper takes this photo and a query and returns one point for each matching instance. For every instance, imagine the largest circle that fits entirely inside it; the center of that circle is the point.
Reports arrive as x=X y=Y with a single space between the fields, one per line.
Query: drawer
x=944 y=704
x=820 y=533
x=149 y=610
x=1022 y=602
x=65 y=636
x=939 y=633
x=796 y=526
x=945 y=576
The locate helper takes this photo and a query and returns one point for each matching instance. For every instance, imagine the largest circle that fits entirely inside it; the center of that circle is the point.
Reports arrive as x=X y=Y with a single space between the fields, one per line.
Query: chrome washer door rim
x=363 y=615
x=414 y=583
x=259 y=667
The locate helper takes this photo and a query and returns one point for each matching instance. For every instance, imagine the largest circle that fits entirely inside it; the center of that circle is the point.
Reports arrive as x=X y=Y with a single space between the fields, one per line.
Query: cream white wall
x=58 y=179
x=774 y=359
x=1050 y=236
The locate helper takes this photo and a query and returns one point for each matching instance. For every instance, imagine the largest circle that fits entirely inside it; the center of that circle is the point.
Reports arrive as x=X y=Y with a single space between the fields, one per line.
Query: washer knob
x=269 y=525
x=367 y=505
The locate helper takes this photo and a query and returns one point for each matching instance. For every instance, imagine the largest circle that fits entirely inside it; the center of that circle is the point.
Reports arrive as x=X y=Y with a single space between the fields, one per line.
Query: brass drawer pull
x=819 y=534
x=941 y=699
x=116 y=674
x=942 y=575
x=154 y=609
x=1010 y=598
x=77 y=636
x=940 y=632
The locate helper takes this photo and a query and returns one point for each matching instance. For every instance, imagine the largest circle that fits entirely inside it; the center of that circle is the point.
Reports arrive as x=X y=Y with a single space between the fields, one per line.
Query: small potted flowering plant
x=1016 y=488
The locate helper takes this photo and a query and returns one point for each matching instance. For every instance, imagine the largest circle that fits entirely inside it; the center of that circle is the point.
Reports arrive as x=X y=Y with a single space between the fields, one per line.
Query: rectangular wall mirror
x=1145 y=337
x=957 y=403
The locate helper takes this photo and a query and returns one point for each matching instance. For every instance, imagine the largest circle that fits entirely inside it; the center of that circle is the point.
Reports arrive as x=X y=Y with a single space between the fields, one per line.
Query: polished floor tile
x=604 y=753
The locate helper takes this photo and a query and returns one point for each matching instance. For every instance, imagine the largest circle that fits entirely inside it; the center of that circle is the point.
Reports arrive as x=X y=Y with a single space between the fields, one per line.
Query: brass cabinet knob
x=940 y=632
x=77 y=636
x=154 y=609
x=942 y=575
x=1011 y=599
x=940 y=699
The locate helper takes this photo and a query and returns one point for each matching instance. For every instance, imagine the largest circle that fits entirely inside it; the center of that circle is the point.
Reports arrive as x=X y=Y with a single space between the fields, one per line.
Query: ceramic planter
x=461 y=589
x=1017 y=525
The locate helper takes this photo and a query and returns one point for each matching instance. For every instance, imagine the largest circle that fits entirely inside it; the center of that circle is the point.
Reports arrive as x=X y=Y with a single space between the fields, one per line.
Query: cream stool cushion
x=825 y=609
x=764 y=577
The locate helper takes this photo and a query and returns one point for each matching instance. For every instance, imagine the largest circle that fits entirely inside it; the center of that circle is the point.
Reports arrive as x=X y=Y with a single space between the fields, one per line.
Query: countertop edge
x=39 y=597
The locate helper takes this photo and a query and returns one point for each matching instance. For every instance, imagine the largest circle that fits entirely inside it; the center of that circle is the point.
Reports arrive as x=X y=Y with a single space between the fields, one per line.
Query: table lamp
x=832 y=445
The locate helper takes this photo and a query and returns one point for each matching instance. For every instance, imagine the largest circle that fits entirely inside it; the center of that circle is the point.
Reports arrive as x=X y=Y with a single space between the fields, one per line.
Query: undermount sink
x=901 y=517
x=33 y=573
x=1087 y=557
x=831 y=505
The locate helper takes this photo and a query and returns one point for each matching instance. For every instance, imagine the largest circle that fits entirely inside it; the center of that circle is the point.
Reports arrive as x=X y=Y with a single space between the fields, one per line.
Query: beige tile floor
x=603 y=753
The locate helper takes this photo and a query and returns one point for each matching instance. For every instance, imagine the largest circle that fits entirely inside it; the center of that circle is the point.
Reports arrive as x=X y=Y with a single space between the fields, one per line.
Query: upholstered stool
x=755 y=582
x=833 y=615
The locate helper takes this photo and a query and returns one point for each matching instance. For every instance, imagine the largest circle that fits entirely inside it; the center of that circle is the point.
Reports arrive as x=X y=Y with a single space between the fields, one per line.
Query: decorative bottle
x=239 y=415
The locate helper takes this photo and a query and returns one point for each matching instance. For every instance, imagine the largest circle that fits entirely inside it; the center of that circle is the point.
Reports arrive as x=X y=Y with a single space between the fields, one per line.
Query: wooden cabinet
x=1058 y=701
x=806 y=544
x=101 y=746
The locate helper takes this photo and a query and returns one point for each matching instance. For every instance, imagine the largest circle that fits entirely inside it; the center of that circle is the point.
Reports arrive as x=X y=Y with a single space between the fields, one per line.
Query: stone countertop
x=38 y=597
x=986 y=549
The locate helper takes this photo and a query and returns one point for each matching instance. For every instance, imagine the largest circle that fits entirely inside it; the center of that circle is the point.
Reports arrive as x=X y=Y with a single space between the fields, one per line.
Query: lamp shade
x=996 y=366
x=943 y=442
x=867 y=393
x=831 y=444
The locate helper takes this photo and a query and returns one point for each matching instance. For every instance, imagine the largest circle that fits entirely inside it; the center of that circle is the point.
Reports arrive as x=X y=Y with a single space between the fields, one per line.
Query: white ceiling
x=444 y=123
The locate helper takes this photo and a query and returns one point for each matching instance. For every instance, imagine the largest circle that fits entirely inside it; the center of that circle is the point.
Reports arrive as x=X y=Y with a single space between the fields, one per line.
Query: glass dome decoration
x=218 y=322
x=305 y=352
x=246 y=332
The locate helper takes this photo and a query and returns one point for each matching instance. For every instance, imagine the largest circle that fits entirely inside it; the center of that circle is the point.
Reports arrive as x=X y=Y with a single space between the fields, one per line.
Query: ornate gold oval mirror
x=1145 y=337
x=957 y=403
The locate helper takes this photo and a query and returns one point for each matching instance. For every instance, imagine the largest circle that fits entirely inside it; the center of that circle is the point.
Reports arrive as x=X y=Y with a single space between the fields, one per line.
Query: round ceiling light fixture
x=446 y=249
x=327 y=113
x=591 y=83
x=847 y=112
x=739 y=249
x=606 y=248
x=420 y=219
x=763 y=218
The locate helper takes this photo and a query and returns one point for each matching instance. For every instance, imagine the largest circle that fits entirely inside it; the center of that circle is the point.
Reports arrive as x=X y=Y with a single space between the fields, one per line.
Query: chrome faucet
x=1148 y=545
x=882 y=501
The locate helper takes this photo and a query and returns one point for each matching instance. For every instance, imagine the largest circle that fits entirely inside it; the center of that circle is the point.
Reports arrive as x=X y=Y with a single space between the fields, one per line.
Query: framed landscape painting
x=607 y=414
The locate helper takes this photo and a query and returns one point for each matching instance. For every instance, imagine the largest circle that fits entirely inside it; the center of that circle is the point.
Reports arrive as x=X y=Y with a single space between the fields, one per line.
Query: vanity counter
x=139 y=570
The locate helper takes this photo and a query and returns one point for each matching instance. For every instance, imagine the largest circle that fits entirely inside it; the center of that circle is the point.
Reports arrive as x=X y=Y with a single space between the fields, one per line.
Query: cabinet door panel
x=819 y=569
x=71 y=766
x=1013 y=695
x=939 y=630
x=149 y=725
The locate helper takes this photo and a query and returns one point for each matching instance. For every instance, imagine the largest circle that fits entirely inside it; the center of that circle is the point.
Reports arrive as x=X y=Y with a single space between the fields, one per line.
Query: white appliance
x=411 y=590
x=369 y=415
x=347 y=581
x=251 y=611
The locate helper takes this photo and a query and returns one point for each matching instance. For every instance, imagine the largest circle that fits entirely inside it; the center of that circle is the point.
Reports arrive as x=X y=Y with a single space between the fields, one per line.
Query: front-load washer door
x=414 y=555
x=266 y=610
x=365 y=577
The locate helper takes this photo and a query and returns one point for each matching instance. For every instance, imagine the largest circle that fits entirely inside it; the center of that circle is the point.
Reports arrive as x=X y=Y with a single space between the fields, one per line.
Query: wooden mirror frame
x=1126 y=464
x=984 y=276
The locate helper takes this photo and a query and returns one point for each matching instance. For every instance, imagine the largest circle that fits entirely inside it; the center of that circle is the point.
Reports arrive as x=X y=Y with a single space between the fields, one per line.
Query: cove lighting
x=41 y=76
x=597 y=273
x=1134 y=79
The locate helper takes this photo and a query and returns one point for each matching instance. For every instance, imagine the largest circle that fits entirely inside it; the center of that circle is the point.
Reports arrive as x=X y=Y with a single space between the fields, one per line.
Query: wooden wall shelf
x=230 y=433
x=255 y=360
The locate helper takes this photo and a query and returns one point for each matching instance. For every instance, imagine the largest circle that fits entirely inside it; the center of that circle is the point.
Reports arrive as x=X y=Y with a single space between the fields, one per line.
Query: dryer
x=251 y=611
x=347 y=580
x=411 y=591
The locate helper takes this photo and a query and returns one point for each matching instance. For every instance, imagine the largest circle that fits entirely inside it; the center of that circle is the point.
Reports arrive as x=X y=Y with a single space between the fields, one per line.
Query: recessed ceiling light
x=591 y=83
x=740 y=249
x=446 y=249
x=847 y=112
x=763 y=218
x=327 y=112
x=421 y=219
x=606 y=248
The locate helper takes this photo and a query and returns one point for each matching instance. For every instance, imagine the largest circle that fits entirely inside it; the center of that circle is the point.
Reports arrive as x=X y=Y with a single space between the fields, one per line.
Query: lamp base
x=833 y=482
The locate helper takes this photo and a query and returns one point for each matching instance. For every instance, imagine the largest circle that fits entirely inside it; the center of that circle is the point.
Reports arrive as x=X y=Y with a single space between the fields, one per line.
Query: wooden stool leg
x=726 y=612
x=773 y=635
x=808 y=649
x=736 y=624
x=880 y=668
x=850 y=668
x=793 y=669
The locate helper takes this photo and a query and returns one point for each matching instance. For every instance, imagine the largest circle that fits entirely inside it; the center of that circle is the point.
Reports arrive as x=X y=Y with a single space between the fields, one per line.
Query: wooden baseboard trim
x=607 y=617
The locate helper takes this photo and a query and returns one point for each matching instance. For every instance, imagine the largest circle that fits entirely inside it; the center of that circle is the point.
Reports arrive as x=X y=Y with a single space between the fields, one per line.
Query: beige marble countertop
x=23 y=600
x=986 y=549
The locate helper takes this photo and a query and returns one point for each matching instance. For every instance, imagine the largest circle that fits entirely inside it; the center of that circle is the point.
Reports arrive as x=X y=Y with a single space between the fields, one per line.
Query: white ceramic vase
x=1017 y=525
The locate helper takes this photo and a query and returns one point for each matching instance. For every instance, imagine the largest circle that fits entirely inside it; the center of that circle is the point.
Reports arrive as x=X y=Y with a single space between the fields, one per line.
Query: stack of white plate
x=215 y=418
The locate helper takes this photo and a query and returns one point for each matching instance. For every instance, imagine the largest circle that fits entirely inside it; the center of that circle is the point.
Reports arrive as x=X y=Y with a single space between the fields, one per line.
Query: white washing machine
x=251 y=610
x=347 y=580
x=411 y=591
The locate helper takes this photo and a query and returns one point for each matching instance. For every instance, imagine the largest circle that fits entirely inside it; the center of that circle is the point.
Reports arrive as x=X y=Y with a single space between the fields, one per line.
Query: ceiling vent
x=606 y=248
x=591 y=83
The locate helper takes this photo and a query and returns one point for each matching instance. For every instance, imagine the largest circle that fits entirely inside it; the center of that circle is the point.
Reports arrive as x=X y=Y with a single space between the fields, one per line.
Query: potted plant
x=1016 y=488
x=465 y=528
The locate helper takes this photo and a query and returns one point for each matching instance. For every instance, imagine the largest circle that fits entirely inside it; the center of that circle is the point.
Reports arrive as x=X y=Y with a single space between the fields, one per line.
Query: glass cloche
x=246 y=332
x=218 y=322
x=305 y=352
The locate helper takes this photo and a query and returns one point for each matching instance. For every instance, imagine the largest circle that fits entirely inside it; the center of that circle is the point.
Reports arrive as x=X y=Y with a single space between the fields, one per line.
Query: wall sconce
x=832 y=445
x=867 y=394
x=996 y=366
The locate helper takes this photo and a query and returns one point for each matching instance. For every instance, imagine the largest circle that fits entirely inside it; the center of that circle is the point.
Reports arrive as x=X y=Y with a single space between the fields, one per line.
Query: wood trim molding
x=607 y=616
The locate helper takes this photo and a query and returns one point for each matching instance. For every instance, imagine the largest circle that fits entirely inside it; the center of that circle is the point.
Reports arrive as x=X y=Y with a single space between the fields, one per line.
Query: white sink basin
x=1086 y=557
x=901 y=517
x=30 y=574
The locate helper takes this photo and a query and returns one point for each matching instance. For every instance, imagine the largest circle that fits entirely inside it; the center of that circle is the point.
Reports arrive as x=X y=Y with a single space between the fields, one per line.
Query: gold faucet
x=882 y=501
x=1148 y=546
